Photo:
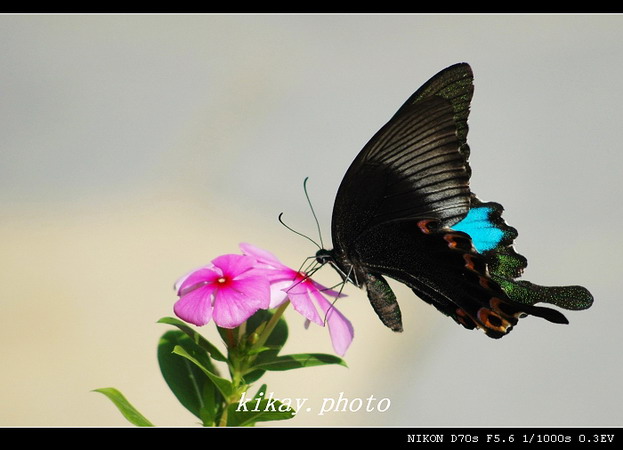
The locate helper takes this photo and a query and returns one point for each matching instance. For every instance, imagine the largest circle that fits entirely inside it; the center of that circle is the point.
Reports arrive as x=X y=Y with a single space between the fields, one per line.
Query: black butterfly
x=405 y=210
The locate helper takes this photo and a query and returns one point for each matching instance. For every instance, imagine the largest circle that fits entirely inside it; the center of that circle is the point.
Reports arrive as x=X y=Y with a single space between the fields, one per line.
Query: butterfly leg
x=383 y=301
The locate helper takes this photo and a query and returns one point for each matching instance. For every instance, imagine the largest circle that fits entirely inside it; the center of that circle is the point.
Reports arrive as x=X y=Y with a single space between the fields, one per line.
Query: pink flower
x=230 y=290
x=303 y=292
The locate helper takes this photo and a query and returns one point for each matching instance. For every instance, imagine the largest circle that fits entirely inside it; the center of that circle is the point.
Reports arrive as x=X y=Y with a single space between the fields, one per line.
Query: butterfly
x=405 y=211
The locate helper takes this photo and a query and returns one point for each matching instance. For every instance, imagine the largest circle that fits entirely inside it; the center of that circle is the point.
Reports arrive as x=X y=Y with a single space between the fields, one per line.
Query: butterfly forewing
x=455 y=84
x=411 y=168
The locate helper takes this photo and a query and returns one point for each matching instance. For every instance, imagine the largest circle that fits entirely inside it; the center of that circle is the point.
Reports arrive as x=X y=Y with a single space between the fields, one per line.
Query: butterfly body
x=404 y=210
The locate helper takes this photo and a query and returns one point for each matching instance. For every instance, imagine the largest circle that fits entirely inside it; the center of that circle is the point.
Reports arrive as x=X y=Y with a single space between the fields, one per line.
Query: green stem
x=242 y=331
x=270 y=326
x=239 y=363
x=223 y=421
x=231 y=342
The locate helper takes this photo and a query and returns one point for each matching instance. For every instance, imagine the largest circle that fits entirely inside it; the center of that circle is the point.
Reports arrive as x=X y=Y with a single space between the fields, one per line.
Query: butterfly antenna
x=312 y=210
x=296 y=232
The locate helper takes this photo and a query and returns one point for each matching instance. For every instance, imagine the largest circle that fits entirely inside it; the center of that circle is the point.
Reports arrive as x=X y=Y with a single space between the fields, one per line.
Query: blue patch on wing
x=484 y=233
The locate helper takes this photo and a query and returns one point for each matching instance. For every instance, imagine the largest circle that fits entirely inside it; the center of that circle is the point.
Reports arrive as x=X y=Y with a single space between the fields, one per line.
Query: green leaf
x=264 y=411
x=185 y=379
x=196 y=337
x=278 y=337
x=257 y=351
x=224 y=386
x=212 y=400
x=297 y=361
x=128 y=411
x=260 y=392
x=273 y=344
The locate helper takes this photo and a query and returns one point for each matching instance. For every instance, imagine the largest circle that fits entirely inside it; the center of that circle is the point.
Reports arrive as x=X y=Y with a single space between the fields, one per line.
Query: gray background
x=136 y=147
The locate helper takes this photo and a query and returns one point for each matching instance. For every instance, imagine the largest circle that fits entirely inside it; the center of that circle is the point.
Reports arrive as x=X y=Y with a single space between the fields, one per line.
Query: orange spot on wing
x=492 y=320
x=449 y=238
x=484 y=282
x=425 y=226
x=464 y=319
x=469 y=262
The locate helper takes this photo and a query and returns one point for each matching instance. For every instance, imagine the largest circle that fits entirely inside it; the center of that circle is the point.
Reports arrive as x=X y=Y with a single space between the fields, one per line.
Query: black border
x=363 y=437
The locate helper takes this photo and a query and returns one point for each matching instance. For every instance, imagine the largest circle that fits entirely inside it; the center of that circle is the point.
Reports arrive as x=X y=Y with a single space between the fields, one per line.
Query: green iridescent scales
x=458 y=91
x=505 y=265
x=457 y=87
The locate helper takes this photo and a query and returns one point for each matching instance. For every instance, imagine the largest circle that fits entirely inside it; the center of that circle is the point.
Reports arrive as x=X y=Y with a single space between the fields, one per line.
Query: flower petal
x=235 y=304
x=198 y=277
x=277 y=292
x=233 y=265
x=254 y=286
x=196 y=306
x=262 y=256
x=300 y=286
x=340 y=328
x=180 y=280
x=303 y=304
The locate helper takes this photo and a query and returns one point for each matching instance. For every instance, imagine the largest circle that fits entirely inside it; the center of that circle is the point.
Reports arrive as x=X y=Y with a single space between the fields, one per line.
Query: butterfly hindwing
x=442 y=267
x=493 y=238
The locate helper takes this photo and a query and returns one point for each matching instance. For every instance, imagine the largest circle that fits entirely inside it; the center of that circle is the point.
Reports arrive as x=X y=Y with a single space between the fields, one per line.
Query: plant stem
x=242 y=331
x=240 y=359
x=231 y=342
x=270 y=326
x=223 y=421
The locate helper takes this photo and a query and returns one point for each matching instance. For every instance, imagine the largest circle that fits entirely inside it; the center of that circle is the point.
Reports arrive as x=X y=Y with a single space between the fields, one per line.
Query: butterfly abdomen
x=383 y=300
